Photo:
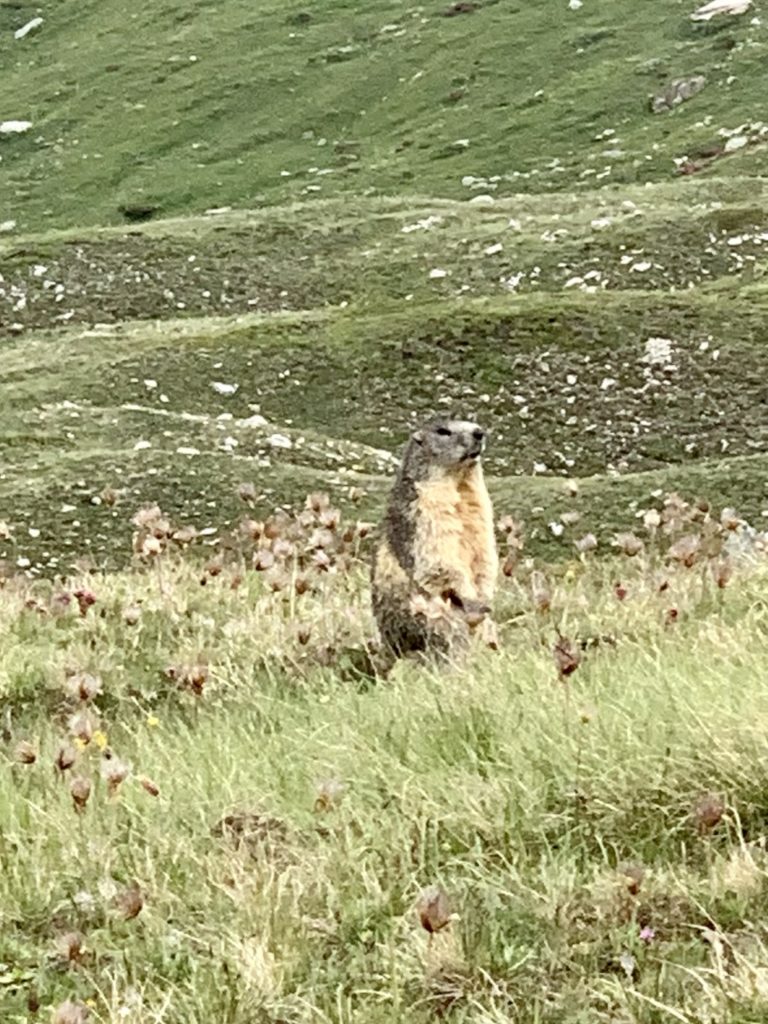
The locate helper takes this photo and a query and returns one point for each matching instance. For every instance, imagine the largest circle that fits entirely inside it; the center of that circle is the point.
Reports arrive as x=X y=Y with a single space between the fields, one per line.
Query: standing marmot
x=435 y=566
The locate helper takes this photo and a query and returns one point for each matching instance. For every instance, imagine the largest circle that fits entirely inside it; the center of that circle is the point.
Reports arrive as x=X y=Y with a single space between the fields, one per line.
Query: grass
x=115 y=340
x=246 y=106
x=600 y=837
x=254 y=249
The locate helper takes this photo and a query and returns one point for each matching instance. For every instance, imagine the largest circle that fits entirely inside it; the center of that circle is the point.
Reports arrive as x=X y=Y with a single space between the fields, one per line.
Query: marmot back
x=435 y=565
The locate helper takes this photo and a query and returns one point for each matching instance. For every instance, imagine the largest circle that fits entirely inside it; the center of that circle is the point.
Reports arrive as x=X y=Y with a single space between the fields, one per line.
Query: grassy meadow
x=243 y=249
x=213 y=810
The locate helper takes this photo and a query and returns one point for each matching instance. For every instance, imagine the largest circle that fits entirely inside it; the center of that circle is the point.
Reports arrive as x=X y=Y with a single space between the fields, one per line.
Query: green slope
x=194 y=106
x=345 y=304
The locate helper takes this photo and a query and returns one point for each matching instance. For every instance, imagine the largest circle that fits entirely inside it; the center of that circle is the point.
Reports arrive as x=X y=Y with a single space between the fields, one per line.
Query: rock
x=254 y=421
x=711 y=10
x=224 y=389
x=463 y=7
x=14 y=127
x=6 y=226
x=678 y=91
x=735 y=142
x=574 y=5
x=138 y=211
x=658 y=350
x=280 y=441
x=26 y=29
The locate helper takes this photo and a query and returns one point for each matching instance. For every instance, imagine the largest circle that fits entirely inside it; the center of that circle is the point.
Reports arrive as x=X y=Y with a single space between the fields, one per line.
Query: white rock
x=468 y=180
x=513 y=281
x=482 y=200
x=421 y=225
x=187 y=451
x=141 y=446
x=280 y=441
x=640 y=267
x=658 y=350
x=224 y=389
x=14 y=127
x=493 y=249
x=735 y=142
x=150 y=384
x=716 y=7
x=26 y=29
x=437 y=273
x=254 y=421
x=6 y=226
x=556 y=529
x=574 y=5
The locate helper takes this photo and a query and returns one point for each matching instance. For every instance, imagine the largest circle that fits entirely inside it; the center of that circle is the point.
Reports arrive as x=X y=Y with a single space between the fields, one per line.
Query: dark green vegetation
x=339 y=334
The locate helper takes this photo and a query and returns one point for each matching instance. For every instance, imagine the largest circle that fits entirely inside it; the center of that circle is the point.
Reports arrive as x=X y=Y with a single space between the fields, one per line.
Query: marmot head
x=450 y=444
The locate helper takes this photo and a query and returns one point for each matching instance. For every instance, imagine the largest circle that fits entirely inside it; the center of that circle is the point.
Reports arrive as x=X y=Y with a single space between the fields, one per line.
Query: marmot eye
x=443 y=431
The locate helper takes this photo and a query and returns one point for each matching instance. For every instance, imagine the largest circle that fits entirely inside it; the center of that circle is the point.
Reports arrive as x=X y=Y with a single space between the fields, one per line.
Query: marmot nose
x=478 y=434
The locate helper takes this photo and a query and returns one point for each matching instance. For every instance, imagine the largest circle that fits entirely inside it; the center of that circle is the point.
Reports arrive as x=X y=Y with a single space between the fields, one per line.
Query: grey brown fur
x=436 y=497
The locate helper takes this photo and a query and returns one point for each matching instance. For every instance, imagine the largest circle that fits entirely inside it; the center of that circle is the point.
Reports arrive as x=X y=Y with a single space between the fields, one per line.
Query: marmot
x=435 y=565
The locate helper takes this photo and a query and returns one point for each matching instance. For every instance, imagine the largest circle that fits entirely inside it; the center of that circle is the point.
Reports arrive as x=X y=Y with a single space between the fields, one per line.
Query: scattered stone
x=735 y=142
x=678 y=91
x=463 y=7
x=138 y=211
x=254 y=421
x=14 y=127
x=224 y=389
x=715 y=7
x=658 y=350
x=6 y=226
x=26 y=29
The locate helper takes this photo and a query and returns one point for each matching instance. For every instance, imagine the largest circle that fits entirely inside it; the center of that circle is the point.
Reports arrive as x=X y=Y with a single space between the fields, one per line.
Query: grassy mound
x=600 y=339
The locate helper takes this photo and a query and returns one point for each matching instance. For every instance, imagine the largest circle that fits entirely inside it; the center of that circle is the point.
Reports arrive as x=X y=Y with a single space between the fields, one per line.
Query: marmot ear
x=418 y=436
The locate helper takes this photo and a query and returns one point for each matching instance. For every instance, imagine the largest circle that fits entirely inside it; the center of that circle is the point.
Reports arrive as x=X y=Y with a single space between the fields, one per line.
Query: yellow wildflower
x=100 y=739
x=152 y=721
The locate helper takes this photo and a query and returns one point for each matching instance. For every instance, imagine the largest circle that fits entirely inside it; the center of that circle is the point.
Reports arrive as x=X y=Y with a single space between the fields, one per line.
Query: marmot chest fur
x=436 y=560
